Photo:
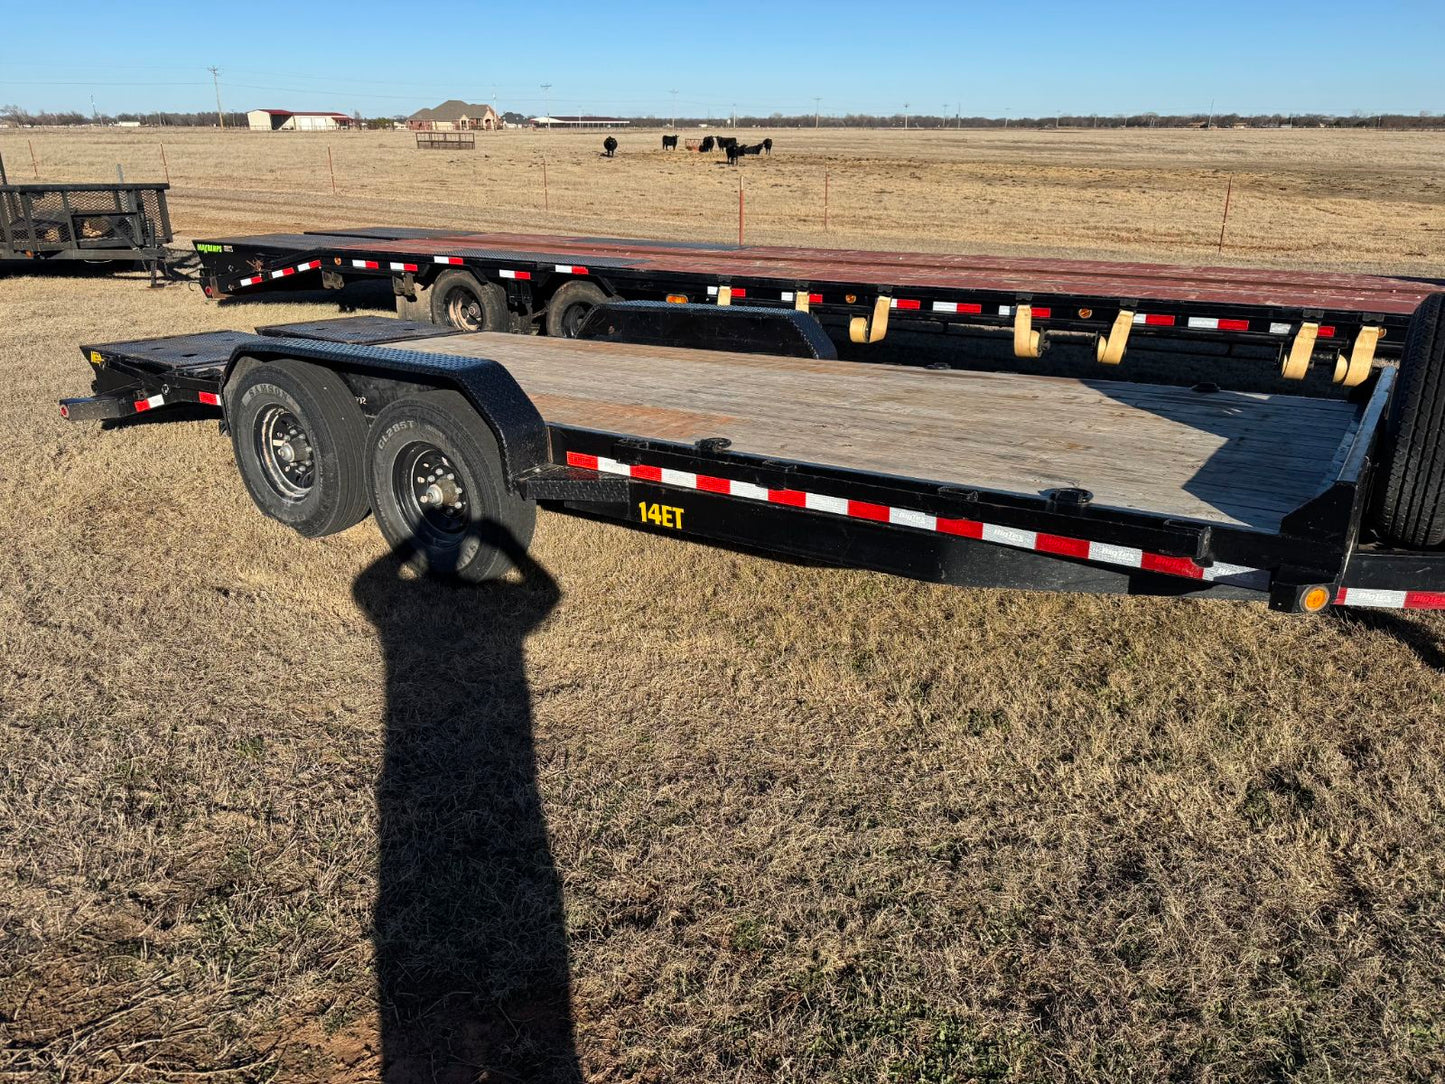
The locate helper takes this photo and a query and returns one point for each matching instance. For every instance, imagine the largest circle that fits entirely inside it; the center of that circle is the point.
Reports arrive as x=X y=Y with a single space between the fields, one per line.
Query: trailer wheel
x=570 y=306
x=300 y=444
x=460 y=300
x=1411 y=511
x=439 y=490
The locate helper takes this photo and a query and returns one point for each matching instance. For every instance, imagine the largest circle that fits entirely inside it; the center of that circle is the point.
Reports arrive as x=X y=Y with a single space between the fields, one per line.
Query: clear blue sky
x=1112 y=56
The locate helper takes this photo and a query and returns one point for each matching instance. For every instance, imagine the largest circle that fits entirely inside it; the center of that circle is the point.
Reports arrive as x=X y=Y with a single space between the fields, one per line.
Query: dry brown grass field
x=681 y=813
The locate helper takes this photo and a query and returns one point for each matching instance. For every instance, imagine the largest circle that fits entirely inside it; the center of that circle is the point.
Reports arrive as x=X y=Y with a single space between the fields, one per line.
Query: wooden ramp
x=1222 y=457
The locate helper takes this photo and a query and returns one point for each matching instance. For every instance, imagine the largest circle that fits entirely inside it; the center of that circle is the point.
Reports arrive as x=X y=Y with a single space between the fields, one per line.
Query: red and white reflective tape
x=286 y=272
x=1222 y=323
x=1153 y=319
x=1326 y=331
x=961 y=307
x=149 y=404
x=1390 y=600
x=789 y=295
x=210 y=398
x=737 y=291
x=1037 y=313
x=253 y=280
x=571 y=268
x=506 y=274
x=366 y=265
x=1036 y=541
x=906 y=303
x=403 y=267
x=453 y=260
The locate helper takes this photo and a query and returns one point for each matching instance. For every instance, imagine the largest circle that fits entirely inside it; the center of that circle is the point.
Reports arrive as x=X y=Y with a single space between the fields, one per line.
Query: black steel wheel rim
x=464 y=308
x=573 y=317
x=431 y=494
x=285 y=451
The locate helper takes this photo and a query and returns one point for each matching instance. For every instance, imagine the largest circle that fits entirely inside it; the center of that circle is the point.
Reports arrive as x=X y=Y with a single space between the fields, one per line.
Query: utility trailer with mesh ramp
x=451 y=440
x=93 y=223
x=1318 y=327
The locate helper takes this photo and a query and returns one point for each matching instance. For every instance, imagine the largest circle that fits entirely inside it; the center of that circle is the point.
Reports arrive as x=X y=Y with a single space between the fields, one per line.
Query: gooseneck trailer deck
x=451 y=440
x=1337 y=325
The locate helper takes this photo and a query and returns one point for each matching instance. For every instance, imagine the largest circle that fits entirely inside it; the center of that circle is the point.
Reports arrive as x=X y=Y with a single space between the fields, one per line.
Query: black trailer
x=94 y=223
x=451 y=440
x=1319 y=327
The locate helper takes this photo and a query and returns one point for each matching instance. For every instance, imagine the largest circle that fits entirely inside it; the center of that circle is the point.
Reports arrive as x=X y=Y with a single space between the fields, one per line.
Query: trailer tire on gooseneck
x=439 y=490
x=299 y=439
x=1411 y=509
x=569 y=307
x=461 y=300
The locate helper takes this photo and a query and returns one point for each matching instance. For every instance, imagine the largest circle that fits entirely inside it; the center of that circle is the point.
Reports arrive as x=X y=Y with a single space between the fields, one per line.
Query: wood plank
x=1224 y=457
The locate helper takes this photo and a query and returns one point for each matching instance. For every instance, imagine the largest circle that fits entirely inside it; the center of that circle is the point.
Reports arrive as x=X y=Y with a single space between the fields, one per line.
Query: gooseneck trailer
x=1005 y=479
x=1327 y=326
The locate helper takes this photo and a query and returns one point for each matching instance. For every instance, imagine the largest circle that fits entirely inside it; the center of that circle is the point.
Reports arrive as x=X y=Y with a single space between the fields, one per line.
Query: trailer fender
x=511 y=416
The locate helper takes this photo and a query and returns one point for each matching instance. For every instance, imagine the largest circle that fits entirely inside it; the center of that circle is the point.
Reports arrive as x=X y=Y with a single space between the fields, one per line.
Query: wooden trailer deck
x=1212 y=285
x=1222 y=457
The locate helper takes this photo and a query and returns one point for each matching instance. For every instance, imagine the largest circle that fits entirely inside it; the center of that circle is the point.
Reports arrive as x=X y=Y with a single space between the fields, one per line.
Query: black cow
x=734 y=152
x=768 y=145
x=609 y=146
x=669 y=143
x=724 y=142
x=706 y=145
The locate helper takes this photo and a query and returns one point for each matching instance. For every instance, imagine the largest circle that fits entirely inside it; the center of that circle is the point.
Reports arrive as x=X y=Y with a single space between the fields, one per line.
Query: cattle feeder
x=670 y=419
x=1333 y=327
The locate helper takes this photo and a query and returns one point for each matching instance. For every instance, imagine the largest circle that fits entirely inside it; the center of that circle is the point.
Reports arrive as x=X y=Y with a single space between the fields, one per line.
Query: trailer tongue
x=981 y=479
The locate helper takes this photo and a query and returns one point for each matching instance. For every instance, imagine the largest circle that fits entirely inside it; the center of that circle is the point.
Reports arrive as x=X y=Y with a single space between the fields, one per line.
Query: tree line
x=19 y=117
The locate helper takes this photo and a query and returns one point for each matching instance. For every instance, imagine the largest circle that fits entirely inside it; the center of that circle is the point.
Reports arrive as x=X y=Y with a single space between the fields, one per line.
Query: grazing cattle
x=706 y=147
x=669 y=143
x=724 y=142
x=768 y=145
x=737 y=150
x=609 y=146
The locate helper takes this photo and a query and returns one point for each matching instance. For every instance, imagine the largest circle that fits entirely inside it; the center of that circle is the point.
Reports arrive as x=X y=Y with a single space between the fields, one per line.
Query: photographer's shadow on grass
x=471 y=948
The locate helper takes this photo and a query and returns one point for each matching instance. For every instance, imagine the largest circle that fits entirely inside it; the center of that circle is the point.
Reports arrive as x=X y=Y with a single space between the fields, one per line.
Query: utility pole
x=817 y=102
x=905 y=116
x=94 y=112
x=1210 y=122
x=216 y=79
x=547 y=103
x=735 y=114
x=673 y=122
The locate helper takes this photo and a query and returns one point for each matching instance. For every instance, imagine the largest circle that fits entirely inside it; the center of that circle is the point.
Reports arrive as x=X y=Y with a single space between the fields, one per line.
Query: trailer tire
x=439 y=491
x=460 y=300
x=569 y=307
x=1411 y=511
x=300 y=444
x=418 y=308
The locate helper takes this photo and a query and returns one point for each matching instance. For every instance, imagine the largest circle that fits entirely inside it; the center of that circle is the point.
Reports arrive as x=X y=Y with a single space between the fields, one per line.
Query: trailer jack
x=1027 y=341
x=1110 y=350
x=863 y=330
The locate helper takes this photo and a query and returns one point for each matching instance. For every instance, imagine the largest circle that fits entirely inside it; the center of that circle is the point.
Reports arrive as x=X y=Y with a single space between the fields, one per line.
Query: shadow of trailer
x=91 y=223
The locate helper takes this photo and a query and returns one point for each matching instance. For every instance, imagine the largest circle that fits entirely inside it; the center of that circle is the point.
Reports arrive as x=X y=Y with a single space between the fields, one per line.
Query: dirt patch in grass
x=781 y=822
